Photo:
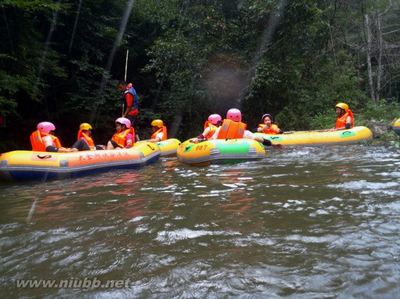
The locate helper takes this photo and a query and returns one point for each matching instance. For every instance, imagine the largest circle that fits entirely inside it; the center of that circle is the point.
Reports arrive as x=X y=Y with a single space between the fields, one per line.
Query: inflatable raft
x=220 y=151
x=30 y=165
x=167 y=147
x=317 y=137
x=396 y=126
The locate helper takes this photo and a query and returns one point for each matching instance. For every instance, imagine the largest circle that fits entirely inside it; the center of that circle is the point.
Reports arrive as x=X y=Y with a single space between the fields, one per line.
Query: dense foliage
x=62 y=61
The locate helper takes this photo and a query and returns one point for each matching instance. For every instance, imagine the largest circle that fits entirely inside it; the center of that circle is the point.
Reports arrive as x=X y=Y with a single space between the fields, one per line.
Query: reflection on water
x=308 y=222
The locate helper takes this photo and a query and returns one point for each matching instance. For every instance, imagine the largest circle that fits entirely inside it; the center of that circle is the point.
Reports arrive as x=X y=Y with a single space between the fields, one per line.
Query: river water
x=309 y=222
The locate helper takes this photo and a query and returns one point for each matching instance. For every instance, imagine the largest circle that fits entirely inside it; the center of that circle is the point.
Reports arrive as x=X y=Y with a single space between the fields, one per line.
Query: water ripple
x=310 y=222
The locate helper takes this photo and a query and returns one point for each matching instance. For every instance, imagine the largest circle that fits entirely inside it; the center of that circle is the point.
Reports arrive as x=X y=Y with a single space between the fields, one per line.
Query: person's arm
x=203 y=135
x=67 y=150
x=49 y=144
x=129 y=141
x=249 y=135
x=348 y=122
x=158 y=138
x=215 y=136
x=51 y=148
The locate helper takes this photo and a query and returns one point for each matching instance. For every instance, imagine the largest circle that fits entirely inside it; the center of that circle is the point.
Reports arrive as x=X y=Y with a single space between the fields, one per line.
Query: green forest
x=62 y=61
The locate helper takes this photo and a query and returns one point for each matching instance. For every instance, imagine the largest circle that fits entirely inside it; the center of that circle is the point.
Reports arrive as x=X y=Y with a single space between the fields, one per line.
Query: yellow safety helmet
x=343 y=106
x=157 y=123
x=85 y=126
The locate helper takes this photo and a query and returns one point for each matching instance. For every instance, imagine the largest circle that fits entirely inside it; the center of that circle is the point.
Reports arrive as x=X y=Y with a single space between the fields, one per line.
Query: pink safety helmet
x=234 y=114
x=45 y=127
x=124 y=121
x=214 y=118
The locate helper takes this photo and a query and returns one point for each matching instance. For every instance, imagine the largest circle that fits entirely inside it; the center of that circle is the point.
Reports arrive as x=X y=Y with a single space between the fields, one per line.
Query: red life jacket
x=131 y=100
x=163 y=129
x=120 y=138
x=87 y=138
x=231 y=129
x=38 y=143
x=341 y=120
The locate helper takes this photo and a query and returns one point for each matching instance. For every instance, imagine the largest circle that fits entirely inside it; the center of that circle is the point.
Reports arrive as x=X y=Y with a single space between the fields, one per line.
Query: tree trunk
x=176 y=123
x=380 y=51
x=369 y=53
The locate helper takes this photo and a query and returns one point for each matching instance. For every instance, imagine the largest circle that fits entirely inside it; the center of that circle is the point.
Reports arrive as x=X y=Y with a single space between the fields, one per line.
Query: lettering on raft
x=201 y=147
x=103 y=156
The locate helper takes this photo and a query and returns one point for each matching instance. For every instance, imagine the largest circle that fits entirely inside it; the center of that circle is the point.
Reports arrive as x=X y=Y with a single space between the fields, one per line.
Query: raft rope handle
x=151 y=147
x=43 y=157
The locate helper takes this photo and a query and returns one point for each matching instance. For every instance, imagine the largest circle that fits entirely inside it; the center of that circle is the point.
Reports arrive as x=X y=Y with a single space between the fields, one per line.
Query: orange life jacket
x=206 y=124
x=231 y=129
x=120 y=138
x=341 y=120
x=38 y=143
x=271 y=130
x=163 y=129
x=212 y=131
x=87 y=138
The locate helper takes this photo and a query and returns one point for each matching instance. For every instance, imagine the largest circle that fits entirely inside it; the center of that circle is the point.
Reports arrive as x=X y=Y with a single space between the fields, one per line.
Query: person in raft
x=84 y=140
x=159 y=131
x=344 y=117
x=124 y=136
x=268 y=126
x=43 y=140
x=212 y=123
x=233 y=128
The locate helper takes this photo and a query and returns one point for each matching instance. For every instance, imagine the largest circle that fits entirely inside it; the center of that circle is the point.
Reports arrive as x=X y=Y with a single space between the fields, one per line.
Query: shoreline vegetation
x=62 y=61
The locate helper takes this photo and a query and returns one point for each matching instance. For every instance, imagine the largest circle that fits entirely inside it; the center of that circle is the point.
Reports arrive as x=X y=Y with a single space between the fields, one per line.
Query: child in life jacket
x=210 y=126
x=84 y=140
x=268 y=126
x=233 y=128
x=124 y=136
x=43 y=140
x=159 y=131
x=344 y=117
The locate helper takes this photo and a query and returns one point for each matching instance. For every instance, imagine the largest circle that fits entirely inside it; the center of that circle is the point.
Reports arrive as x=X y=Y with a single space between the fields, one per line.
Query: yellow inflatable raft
x=396 y=126
x=353 y=135
x=167 y=147
x=30 y=165
x=219 y=151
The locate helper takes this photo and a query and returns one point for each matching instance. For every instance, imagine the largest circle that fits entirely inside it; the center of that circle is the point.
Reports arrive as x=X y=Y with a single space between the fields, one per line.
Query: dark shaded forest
x=62 y=61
